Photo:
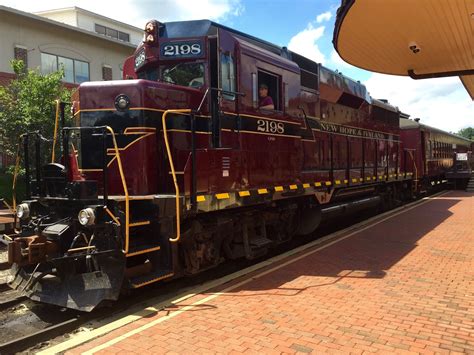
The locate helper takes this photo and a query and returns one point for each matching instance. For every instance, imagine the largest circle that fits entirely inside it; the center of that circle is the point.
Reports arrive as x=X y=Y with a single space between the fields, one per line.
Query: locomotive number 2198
x=270 y=126
x=172 y=50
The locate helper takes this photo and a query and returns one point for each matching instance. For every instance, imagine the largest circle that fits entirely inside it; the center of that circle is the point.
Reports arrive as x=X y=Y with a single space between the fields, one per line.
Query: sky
x=305 y=27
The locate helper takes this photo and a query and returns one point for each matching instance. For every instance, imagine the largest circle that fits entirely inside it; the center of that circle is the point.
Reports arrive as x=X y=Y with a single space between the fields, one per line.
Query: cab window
x=272 y=81
x=185 y=74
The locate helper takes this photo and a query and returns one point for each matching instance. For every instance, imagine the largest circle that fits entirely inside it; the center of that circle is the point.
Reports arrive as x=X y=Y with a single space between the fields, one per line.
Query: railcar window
x=185 y=74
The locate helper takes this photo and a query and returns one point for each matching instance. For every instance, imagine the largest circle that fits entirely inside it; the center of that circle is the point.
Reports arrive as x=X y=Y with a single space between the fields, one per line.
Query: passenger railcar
x=176 y=168
x=432 y=154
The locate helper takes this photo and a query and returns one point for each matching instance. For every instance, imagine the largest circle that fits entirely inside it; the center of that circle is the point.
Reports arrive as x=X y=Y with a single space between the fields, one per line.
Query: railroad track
x=9 y=297
x=30 y=340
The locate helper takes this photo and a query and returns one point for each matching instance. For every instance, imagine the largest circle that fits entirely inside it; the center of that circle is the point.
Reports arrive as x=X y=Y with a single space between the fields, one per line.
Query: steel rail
x=27 y=341
x=5 y=304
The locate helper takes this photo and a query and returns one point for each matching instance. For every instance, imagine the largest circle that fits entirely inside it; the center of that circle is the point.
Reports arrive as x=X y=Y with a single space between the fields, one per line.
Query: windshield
x=185 y=74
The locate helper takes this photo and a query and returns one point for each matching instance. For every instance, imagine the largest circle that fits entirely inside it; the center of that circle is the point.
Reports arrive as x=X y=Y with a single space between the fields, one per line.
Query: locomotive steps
x=470 y=184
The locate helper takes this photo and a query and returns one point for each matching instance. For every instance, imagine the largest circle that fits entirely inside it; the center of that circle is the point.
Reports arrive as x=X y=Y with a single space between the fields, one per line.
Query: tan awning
x=420 y=38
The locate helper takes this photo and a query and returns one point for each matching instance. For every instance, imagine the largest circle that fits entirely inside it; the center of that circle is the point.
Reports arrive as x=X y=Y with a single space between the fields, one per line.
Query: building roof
x=422 y=38
x=63 y=25
x=88 y=13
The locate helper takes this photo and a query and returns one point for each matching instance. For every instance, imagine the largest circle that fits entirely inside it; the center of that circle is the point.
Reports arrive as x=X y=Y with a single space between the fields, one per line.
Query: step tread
x=139 y=222
x=142 y=249
x=152 y=277
x=260 y=242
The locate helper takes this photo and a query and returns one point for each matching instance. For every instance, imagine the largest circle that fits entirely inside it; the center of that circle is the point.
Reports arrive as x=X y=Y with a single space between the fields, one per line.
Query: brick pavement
x=405 y=285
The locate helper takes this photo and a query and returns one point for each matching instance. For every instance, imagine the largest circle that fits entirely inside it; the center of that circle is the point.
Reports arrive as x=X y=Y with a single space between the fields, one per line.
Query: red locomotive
x=176 y=168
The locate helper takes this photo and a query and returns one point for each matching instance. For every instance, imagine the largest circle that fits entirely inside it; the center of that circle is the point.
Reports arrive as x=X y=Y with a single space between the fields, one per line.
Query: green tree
x=467 y=132
x=28 y=104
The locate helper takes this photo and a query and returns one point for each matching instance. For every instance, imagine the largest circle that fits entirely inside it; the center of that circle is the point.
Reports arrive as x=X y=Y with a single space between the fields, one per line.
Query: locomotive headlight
x=86 y=217
x=122 y=102
x=23 y=211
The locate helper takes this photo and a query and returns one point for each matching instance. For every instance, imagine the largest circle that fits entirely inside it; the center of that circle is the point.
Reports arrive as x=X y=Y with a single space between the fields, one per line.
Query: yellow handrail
x=170 y=158
x=56 y=123
x=125 y=190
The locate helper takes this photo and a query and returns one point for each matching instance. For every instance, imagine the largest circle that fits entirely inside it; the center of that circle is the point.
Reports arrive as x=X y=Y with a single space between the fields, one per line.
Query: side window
x=227 y=75
x=271 y=85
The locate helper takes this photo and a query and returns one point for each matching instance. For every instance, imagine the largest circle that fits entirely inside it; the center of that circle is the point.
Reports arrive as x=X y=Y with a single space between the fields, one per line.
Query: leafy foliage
x=28 y=104
x=467 y=132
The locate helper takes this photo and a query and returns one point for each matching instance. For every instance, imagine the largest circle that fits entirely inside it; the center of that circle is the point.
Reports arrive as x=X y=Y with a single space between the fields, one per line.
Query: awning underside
x=429 y=38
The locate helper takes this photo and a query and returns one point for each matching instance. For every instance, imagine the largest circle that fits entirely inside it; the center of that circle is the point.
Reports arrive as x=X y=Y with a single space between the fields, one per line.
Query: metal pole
x=64 y=138
x=66 y=151
x=63 y=117
x=104 y=164
x=193 y=162
x=27 y=166
x=38 y=165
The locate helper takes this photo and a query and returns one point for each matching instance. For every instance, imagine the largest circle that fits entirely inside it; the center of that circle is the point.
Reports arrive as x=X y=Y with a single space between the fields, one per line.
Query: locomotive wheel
x=308 y=219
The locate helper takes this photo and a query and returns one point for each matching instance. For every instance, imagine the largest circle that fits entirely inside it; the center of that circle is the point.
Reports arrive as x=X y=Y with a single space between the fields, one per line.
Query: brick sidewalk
x=404 y=285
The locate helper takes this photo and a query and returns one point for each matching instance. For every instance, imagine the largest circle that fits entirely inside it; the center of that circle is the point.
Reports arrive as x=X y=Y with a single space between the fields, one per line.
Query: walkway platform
x=402 y=283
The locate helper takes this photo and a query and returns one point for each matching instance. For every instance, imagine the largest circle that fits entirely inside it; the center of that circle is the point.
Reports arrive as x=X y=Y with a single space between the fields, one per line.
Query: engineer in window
x=265 y=102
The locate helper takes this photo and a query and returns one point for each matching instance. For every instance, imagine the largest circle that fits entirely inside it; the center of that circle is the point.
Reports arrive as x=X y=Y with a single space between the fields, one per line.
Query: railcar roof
x=410 y=124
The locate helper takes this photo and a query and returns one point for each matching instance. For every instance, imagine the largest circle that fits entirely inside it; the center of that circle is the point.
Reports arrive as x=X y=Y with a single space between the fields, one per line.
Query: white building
x=90 y=21
x=89 y=46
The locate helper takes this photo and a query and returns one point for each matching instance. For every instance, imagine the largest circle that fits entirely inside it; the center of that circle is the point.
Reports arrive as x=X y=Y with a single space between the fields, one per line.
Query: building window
x=68 y=66
x=106 y=73
x=124 y=36
x=75 y=71
x=110 y=32
x=81 y=71
x=100 y=29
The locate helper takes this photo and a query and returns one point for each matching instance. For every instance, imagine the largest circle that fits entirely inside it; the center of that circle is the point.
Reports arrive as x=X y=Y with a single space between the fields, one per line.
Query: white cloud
x=325 y=16
x=137 y=12
x=338 y=62
x=304 y=43
x=441 y=103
